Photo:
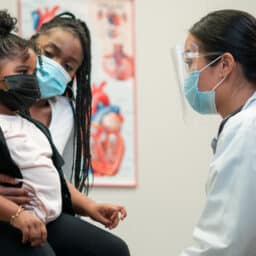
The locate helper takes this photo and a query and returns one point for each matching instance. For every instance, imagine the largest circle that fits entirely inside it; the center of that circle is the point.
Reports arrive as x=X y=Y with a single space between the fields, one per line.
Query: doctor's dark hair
x=11 y=45
x=82 y=111
x=230 y=31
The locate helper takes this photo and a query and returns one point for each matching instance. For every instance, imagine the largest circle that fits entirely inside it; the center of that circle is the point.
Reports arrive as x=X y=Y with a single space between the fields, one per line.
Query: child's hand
x=32 y=228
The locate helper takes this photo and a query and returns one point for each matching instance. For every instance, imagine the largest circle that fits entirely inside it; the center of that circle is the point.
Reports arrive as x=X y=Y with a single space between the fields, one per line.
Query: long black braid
x=81 y=160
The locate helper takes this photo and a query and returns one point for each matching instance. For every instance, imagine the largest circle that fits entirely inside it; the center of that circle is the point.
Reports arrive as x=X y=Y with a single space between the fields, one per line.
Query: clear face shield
x=182 y=62
x=186 y=61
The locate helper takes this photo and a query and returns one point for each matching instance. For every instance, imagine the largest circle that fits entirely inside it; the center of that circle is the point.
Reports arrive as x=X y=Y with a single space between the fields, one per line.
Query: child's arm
x=32 y=228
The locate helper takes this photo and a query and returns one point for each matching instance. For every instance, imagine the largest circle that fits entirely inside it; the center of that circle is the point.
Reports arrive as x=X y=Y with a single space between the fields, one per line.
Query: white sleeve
x=227 y=226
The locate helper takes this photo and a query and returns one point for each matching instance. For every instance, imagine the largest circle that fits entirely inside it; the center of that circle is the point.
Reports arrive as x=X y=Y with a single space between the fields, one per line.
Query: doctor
x=220 y=57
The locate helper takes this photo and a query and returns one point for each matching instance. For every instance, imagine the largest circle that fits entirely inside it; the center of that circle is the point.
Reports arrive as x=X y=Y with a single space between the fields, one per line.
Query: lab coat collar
x=250 y=100
x=223 y=122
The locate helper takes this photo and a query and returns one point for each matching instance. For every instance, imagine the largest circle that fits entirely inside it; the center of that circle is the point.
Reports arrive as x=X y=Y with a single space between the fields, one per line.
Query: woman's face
x=22 y=65
x=63 y=47
x=208 y=77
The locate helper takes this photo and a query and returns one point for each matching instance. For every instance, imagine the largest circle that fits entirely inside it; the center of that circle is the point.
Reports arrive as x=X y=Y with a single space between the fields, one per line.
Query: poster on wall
x=113 y=126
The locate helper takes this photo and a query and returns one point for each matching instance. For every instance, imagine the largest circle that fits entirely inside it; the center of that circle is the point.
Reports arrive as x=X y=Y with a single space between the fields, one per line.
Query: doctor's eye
x=188 y=63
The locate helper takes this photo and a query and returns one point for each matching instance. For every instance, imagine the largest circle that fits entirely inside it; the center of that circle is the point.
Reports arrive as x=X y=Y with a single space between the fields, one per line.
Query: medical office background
x=173 y=143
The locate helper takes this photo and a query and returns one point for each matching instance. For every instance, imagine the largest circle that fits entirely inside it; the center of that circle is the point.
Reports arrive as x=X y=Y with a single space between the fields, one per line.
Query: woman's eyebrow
x=58 y=50
x=55 y=46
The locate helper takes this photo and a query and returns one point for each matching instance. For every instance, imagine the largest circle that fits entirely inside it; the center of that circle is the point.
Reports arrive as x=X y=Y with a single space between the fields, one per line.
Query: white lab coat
x=227 y=226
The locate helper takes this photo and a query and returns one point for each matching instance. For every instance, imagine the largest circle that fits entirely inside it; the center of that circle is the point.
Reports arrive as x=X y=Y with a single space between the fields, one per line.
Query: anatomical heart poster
x=113 y=125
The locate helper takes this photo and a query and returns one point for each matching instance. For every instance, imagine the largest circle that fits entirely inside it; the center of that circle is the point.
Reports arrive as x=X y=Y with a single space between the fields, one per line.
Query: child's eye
x=22 y=71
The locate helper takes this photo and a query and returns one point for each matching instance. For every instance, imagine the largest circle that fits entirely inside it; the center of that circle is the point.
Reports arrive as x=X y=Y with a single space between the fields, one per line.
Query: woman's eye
x=48 y=54
x=68 y=68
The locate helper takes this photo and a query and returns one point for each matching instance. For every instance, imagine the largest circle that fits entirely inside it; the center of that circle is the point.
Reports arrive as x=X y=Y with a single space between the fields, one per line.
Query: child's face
x=17 y=66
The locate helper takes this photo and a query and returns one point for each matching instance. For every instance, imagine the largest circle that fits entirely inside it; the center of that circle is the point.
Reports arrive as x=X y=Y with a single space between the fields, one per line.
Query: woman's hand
x=32 y=228
x=107 y=214
x=19 y=196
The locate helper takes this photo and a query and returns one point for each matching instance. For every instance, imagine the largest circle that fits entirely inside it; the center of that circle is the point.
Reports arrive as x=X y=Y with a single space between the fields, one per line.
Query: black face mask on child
x=22 y=92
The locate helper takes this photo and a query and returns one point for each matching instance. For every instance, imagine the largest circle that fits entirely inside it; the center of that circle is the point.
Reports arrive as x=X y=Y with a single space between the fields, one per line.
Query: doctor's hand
x=19 y=196
x=107 y=214
x=32 y=228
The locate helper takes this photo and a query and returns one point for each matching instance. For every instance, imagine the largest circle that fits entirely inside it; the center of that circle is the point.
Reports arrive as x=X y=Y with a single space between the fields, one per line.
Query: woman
x=220 y=58
x=66 y=41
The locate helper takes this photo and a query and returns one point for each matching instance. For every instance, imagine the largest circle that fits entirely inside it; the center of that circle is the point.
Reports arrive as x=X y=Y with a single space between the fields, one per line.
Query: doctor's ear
x=227 y=63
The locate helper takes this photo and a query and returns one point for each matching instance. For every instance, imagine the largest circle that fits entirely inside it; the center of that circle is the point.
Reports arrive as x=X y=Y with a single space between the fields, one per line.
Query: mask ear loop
x=210 y=63
x=40 y=61
x=218 y=84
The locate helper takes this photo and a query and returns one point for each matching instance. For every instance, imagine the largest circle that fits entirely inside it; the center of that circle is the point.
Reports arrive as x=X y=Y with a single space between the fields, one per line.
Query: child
x=26 y=148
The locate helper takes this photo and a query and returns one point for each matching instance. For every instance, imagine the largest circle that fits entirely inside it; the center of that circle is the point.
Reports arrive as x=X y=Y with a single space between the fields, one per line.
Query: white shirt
x=227 y=226
x=32 y=152
x=61 y=128
x=62 y=122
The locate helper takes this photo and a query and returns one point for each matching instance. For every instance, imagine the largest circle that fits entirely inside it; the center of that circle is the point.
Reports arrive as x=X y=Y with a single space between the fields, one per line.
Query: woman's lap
x=68 y=235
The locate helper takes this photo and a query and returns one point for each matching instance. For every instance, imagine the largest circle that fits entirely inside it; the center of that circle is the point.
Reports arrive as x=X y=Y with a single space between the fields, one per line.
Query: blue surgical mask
x=52 y=77
x=202 y=102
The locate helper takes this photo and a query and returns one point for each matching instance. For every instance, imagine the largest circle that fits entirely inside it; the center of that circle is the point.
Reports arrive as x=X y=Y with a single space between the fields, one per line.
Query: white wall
x=173 y=156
